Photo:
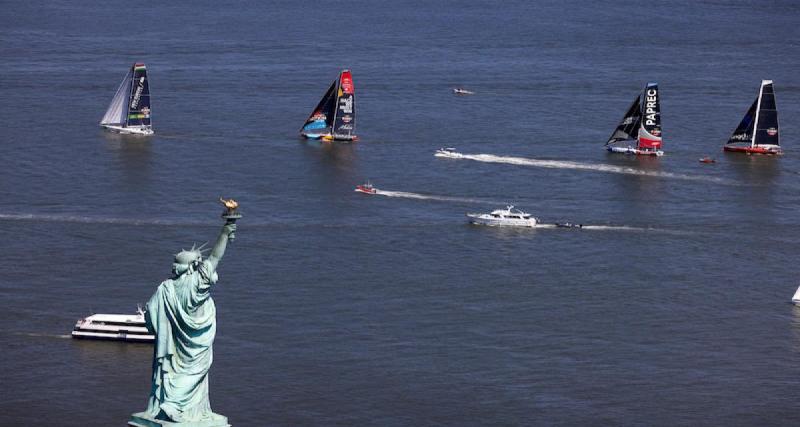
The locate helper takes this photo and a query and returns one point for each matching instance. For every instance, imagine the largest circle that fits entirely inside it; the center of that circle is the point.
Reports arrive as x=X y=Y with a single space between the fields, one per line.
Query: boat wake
x=94 y=220
x=418 y=196
x=600 y=227
x=563 y=164
x=40 y=335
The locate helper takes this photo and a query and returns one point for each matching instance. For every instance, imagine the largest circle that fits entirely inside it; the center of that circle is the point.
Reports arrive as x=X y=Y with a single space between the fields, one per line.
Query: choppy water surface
x=337 y=308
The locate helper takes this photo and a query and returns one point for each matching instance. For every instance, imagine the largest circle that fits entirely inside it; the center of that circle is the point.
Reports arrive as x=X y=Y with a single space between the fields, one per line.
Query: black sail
x=629 y=125
x=767 y=131
x=744 y=132
x=139 y=101
x=345 y=123
x=321 y=117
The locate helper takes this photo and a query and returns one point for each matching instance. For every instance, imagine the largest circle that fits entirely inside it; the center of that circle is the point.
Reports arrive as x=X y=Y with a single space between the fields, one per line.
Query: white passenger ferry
x=118 y=327
x=508 y=217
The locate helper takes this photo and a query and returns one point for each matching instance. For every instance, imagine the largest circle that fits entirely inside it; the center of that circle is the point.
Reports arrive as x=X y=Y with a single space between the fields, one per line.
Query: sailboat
x=642 y=123
x=759 y=126
x=334 y=118
x=796 y=297
x=129 y=112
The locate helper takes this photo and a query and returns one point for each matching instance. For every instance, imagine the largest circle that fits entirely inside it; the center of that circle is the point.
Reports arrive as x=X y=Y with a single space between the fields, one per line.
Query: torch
x=230 y=214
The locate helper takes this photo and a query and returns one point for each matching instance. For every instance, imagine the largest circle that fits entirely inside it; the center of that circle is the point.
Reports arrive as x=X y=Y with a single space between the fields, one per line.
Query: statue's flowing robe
x=182 y=316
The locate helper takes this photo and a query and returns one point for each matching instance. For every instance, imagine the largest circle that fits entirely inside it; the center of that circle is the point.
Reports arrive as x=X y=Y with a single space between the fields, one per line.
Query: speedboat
x=504 y=217
x=707 y=159
x=117 y=327
x=366 y=188
x=447 y=152
x=461 y=91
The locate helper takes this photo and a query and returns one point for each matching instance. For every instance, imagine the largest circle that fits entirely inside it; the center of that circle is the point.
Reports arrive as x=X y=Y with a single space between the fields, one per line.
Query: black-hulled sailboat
x=334 y=118
x=129 y=112
x=642 y=123
x=758 y=129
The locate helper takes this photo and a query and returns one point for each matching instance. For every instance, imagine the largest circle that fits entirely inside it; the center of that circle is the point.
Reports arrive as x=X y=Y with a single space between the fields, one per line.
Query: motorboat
x=707 y=159
x=462 y=91
x=116 y=327
x=366 y=188
x=448 y=152
x=504 y=217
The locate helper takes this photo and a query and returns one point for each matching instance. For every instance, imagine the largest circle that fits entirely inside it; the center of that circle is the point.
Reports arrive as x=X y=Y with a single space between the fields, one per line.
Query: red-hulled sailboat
x=759 y=127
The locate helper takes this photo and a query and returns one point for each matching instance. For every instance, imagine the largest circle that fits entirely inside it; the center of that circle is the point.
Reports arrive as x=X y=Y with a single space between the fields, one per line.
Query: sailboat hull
x=636 y=151
x=129 y=130
x=329 y=137
x=774 y=150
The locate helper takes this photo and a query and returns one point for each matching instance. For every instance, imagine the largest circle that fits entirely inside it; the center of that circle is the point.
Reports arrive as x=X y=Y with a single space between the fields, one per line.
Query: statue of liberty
x=182 y=316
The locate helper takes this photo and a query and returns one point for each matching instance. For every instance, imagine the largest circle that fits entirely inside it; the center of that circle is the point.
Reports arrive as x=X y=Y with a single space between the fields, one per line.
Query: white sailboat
x=129 y=112
x=796 y=297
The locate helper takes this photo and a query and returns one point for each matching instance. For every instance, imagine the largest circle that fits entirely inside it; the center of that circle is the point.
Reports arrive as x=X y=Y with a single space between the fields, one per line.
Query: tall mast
x=130 y=92
x=336 y=101
x=641 y=114
x=758 y=111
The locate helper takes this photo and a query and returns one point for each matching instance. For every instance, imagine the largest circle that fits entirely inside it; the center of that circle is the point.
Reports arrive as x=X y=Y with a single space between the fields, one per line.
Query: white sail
x=796 y=297
x=115 y=115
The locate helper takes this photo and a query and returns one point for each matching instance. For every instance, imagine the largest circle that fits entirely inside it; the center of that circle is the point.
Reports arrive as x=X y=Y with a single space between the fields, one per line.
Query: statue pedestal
x=141 y=419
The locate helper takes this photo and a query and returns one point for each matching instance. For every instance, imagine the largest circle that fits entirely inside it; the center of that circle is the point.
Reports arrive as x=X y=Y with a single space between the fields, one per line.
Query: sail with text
x=334 y=117
x=129 y=111
x=758 y=132
x=642 y=124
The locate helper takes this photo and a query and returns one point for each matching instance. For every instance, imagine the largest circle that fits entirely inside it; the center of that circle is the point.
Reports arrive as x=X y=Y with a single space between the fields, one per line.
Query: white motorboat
x=118 y=327
x=462 y=91
x=504 y=217
x=448 y=152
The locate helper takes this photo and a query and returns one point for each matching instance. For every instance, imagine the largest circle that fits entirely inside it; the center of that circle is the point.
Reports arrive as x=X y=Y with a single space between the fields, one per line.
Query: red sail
x=346 y=83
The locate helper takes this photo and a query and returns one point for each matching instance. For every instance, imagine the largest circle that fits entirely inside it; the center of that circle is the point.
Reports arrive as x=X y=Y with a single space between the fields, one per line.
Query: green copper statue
x=182 y=315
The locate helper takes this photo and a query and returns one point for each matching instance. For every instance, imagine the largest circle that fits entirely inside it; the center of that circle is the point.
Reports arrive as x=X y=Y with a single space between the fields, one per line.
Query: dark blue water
x=336 y=308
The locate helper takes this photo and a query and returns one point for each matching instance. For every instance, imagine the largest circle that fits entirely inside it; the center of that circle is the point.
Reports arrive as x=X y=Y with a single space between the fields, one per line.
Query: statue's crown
x=190 y=256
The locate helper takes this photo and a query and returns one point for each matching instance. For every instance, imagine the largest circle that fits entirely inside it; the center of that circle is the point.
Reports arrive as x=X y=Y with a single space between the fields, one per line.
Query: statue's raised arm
x=222 y=243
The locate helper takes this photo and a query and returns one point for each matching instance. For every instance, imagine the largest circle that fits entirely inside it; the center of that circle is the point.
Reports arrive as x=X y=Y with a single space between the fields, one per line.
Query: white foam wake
x=564 y=164
x=598 y=227
x=36 y=334
x=92 y=219
x=418 y=196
